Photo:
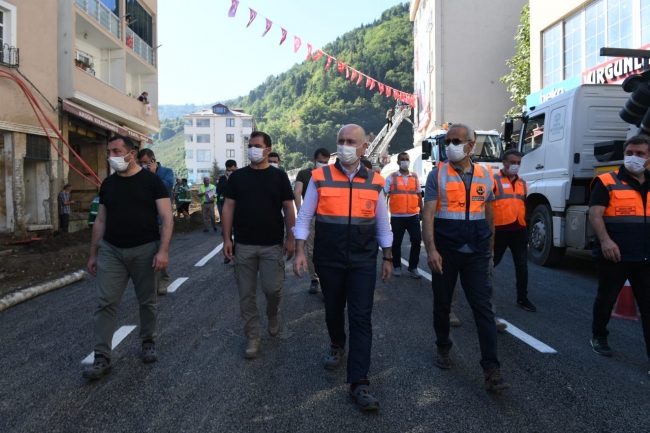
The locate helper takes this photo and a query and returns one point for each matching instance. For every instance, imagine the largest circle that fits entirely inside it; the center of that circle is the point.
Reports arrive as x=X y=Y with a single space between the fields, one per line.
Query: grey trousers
x=208 y=214
x=114 y=268
x=268 y=261
x=309 y=250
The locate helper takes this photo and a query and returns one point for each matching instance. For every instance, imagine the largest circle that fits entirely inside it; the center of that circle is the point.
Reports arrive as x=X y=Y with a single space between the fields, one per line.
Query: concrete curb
x=30 y=292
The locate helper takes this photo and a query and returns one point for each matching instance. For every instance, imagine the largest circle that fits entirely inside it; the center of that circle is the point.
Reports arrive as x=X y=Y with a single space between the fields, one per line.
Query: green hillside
x=171 y=153
x=303 y=108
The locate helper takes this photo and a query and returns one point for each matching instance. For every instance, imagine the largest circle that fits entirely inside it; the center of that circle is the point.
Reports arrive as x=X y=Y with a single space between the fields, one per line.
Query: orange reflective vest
x=404 y=198
x=460 y=212
x=345 y=217
x=509 y=203
x=627 y=219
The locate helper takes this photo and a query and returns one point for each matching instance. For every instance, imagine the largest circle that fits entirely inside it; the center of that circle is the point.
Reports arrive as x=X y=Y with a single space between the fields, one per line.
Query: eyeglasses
x=455 y=141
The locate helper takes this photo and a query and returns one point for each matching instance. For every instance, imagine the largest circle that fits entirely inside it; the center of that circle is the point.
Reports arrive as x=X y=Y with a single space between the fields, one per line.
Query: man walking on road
x=619 y=212
x=458 y=226
x=127 y=243
x=405 y=199
x=351 y=225
x=231 y=165
x=255 y=198
x=509 y=207
x=208 y=193
x=64 y=207
x=184 y=199
x=321 y=159
x=389 y=118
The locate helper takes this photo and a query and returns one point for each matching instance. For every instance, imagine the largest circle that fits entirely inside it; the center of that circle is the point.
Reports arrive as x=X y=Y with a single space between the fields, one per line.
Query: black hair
x=637 y=139
x=402 y=154
x=275 y=155
x=323 y=152
x=146 y=152
x=231 y=163
x=184 y=180
x=513 y=152
x=128 y=143
x=366 y=164
x=265 y=136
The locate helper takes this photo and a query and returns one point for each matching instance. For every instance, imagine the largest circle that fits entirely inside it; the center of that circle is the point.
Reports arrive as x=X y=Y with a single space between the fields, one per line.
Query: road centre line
x=176 y=284
x=511 y=329
x=119 y=335
x=213 y=253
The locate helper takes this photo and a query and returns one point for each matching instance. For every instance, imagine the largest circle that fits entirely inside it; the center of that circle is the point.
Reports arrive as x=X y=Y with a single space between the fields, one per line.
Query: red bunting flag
x=284 y=36
x=318 y=55
x=329 y=62
x=296 y=44
x=347 y=73
x=354 y=75
x=309 y=48
x=372 y=85
x=269 y=23
x=360 y=78
x=253 y=15
x=233 y=8
x=339 y=65
x=368 y=80
x=381 y=88
x=388 y=91
x=396 y=94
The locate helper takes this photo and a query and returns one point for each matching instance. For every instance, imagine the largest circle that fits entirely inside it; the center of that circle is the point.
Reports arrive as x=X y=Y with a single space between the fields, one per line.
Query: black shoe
x=443 y=360
x=313 y=287
x=206 y=230
x=100 y=367
x=494 y=381
x=526 y=305
x=149 y=353
x=215 y=228
x=600 y=346
x=226 y=261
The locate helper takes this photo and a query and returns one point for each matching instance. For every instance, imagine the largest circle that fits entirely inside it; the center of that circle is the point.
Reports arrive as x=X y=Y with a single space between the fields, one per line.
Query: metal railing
x=381 y=142
x=9 y=56
x=102 y=15
x=140 y=47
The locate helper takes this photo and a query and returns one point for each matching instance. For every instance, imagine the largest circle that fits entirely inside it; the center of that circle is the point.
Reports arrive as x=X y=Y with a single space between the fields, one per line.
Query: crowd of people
x=347 y=214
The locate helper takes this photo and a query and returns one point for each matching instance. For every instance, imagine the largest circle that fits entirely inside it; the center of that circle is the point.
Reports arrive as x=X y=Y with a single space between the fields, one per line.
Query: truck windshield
x=488 y=148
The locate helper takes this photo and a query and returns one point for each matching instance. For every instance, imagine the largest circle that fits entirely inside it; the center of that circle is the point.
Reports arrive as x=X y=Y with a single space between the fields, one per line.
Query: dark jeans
x=399 y=225
x=518 y=243
x=220 y=209
x=474 y=270
x=611 y=278
x=64 y=220
x=357 y=287
x=389 y=122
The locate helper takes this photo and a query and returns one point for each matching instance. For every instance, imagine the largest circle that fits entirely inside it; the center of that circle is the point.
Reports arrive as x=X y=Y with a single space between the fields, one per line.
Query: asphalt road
x=203 y=383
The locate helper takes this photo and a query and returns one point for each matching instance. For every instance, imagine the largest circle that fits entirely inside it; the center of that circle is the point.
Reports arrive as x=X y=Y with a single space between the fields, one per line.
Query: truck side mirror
x=426 y=150
x=507 y=131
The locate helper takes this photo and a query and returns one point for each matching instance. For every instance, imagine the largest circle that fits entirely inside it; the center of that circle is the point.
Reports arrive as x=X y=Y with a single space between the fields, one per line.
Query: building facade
x=461 y=48
x=566 y=38
x=215 y=134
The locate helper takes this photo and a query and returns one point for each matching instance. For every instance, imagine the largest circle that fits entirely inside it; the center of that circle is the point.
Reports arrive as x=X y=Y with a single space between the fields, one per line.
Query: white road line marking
x=176 y=284
x=511 y=329
x=531 y=341
x=424 y=274
x=213 y=253
x=119 y=335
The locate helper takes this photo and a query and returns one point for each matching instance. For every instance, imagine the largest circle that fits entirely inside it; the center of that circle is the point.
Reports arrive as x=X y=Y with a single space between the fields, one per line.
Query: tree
x=215 y=171
x=518 y=80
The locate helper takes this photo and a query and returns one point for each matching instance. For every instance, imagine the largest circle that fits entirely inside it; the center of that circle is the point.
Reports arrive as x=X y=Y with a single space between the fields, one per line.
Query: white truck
x=558 y=139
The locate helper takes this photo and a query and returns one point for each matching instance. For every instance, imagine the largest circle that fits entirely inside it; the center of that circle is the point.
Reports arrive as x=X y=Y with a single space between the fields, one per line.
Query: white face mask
x=634 y=164
x=319 y=164
x=455 y=152
x=347 y=154
x=513 y=169
x=404 y=165
x=273 y=164
x=118 y=164
x=256 y=154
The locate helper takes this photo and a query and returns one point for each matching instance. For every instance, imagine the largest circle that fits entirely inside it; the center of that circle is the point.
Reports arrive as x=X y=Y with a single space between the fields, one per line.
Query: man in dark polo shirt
x=127 y=243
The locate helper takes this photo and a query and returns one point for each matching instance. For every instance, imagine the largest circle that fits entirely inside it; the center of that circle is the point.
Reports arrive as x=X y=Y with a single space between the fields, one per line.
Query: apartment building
x=215 y=134
x=461 y=48
x=566 y=37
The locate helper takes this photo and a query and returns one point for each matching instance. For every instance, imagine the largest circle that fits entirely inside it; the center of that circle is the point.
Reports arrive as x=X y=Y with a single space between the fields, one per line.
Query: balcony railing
x=102 y=15
x=9 y=56
x=140 y=47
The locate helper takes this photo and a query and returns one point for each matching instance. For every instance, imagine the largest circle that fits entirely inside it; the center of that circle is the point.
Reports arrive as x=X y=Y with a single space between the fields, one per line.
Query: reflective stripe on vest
x=625 y=203
x=404 y=198
x=509 y=206
x=452 y=193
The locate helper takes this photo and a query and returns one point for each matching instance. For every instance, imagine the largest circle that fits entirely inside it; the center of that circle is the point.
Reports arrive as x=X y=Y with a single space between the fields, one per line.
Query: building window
x=189 y=138
x=573 y=46
x=220 y=110
x=248 y=123
x=190 y=176
x=230 y=138
x=189 y=154
x=619 y=24
x=533 y=134
x=8 y=34
x=645 y=22
x=553 y=55
x=189 y=122
x=594 y=33
x=141 y=21
x=230 y=122
x=202 y=123
x=230 y=153
x=202 y=138
x=203 y=156
x=113 y=6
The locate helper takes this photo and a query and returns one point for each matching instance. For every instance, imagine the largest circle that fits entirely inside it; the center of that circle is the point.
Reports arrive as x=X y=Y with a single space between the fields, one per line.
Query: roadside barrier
x=626 y=305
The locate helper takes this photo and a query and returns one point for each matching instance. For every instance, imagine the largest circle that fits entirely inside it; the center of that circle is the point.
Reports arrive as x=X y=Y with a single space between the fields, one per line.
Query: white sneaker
x=253 y=349
x=415 y=273
x=397 y=272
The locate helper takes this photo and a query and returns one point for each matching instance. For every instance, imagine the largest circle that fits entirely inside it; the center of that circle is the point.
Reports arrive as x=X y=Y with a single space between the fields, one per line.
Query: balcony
x=140 y=47
x=102 y=15
x=9 y=56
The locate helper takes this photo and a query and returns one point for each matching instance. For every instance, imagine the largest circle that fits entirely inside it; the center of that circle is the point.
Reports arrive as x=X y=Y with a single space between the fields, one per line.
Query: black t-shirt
x=259 y=195
x=304 y=176
x=131 y=212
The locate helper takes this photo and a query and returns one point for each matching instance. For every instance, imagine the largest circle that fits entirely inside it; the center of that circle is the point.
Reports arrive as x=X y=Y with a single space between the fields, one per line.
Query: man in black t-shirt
x=255 y=197
x=321 y=159
x=126 y=242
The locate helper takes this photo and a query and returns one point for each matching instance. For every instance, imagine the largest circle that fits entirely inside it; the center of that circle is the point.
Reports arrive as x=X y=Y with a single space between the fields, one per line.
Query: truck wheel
x=540 y=245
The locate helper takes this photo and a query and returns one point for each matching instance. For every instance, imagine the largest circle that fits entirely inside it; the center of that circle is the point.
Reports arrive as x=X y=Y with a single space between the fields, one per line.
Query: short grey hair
x=470 y=135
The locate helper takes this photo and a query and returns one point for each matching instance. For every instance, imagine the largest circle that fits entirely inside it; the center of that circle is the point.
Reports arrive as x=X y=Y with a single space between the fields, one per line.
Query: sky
x=206 y=56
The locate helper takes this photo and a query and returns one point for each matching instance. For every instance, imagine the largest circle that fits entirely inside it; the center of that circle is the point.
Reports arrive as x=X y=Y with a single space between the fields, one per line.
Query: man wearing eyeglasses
x=458 y=227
